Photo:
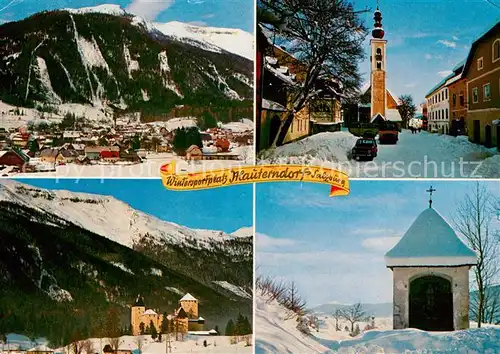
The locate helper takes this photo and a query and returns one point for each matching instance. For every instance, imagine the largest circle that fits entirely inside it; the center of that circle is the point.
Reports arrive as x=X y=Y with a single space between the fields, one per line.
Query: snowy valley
x=66 y=253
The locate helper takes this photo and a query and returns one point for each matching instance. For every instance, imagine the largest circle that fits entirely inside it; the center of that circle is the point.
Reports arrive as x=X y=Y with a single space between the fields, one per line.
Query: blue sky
x=216 y=13
x=427 y=38
x=226 y=209
x=333 y=248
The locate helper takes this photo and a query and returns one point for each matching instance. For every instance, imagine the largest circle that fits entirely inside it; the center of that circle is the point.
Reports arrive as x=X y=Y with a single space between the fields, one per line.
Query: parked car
x=365 y=148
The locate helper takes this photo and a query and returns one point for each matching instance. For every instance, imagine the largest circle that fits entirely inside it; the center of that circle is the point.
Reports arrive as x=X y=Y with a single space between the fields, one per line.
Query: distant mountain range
x=105 y=56
x=385 y=309
x=67 y=259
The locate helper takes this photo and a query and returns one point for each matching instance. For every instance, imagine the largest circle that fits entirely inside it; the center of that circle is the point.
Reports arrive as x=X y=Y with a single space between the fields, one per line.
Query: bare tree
x=140 y=343
x=326 y=37
x=337 y=315
x=474 y=222
x=113 y=330
x=293 y=301
x=353 y=314
x=76 y=346
x=88 y=347
x=407 y=109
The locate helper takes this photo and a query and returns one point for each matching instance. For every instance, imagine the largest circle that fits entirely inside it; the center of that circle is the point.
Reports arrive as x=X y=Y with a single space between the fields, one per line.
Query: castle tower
x=137 y=311
x=430 y=267
x=190 y=304
x=378 y=67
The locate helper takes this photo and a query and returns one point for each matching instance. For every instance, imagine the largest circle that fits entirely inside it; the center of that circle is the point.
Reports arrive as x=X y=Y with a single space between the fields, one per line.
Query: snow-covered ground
x=150 y=168
x=422 y=155
x=191 y=344
x=106 y=216
x=276 y=332
x=241 y=126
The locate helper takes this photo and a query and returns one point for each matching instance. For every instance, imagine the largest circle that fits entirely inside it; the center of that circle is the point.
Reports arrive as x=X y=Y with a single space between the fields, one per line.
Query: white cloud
x=428 y=56
x=411 y=85
x=444 y=73
x=455 y=38
x=448 y=44
x=149 y=9
x=208 y=16
x=383 y=244
x=265 y=242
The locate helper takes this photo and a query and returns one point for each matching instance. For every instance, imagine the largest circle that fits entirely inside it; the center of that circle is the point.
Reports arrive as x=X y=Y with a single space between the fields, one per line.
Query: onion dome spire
x=378 y=30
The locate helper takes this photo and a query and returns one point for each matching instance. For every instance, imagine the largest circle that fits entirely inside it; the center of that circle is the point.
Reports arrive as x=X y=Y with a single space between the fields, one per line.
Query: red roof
x=107 y=154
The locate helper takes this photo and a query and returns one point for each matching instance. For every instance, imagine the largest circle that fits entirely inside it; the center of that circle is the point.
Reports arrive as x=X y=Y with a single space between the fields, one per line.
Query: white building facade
x=438 y=108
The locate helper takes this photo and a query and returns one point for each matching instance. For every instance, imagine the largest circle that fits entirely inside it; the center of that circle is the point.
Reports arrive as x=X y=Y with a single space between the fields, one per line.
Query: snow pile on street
x=421 y=155
x=472 y=341
x=231 y=40
x=237 y=290
x=191 y=344
x=315 y=149
x=276 y=330
x=106 y=216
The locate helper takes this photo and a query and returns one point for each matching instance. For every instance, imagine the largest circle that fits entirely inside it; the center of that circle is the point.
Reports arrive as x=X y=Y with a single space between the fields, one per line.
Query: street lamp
x=168 y=347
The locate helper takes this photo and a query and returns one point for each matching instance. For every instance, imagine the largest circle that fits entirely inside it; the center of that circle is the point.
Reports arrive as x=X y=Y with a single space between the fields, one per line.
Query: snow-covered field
x=422 y=155
x=106 y=216
x=150 y=168
x=191 y=344
x=276 y=332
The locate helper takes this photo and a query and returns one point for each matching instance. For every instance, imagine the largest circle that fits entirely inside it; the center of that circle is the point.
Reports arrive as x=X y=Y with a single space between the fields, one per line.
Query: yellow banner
x=338 y=180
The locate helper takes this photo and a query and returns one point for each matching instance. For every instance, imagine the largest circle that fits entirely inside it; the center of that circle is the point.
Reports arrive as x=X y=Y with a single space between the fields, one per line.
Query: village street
x=421 y=155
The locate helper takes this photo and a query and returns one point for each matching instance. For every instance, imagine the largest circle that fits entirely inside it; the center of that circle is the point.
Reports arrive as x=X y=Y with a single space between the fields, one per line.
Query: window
x=480 y=63
x=447 y=115
x=475 y=95
x=379 y=65
x=462 y=99
x=496 y=50
x=454 y=99
x=446 y=93
x=486 y=92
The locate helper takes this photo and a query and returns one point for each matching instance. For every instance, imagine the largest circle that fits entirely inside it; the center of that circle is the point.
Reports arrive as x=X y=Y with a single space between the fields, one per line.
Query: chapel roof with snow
x=430 y=241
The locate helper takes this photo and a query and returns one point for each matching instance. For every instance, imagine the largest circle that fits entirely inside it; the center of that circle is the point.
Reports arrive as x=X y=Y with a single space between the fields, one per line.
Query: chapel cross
x=430 y=198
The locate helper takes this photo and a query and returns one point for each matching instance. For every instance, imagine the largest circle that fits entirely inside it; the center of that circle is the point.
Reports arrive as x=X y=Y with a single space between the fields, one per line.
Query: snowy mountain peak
x=109 y=9
x=107 y=216
x=232 y=40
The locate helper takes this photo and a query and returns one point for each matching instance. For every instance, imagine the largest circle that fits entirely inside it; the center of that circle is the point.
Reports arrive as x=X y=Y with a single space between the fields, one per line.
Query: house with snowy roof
x=430 y=266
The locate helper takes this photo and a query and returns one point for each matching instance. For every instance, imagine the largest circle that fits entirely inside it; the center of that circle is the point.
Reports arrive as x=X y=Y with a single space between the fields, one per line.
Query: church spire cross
x=430 y=195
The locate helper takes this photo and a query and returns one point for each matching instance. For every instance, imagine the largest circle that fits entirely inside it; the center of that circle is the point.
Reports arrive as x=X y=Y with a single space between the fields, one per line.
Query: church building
x=378 y=104
x=430 y=266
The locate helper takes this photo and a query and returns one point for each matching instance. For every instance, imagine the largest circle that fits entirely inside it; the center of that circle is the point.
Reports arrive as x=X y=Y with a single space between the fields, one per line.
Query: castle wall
x=191 y=308
x=135 y=318
x=459 y=277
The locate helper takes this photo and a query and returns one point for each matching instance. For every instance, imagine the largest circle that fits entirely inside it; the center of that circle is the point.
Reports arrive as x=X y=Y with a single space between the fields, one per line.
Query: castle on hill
x=185 y=317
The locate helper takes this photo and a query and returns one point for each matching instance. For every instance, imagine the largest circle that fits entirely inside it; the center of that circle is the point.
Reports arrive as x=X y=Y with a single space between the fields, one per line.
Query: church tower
x=137 y=311
x=378 y=67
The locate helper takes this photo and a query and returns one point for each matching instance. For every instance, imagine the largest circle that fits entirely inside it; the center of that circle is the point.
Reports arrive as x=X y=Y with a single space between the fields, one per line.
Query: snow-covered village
x=105 y=92
x=404 y=91
x=418 y=273
x=85 y=269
